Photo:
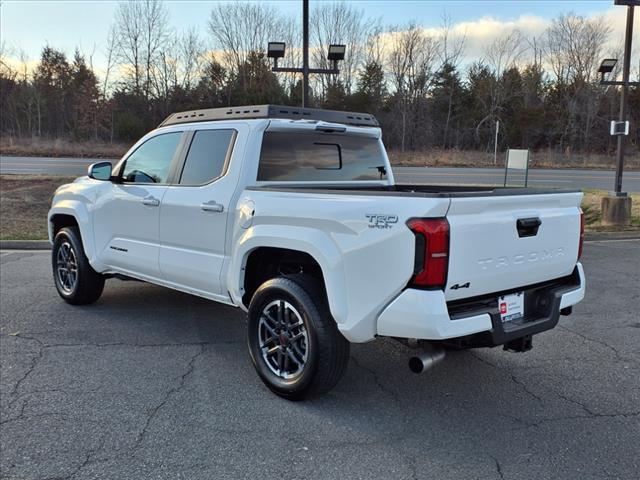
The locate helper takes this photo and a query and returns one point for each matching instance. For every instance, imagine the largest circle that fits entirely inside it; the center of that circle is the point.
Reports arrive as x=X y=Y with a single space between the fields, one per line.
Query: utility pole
x=305 y=53
x=616 y=207
x=623 y=98
x=495 y=145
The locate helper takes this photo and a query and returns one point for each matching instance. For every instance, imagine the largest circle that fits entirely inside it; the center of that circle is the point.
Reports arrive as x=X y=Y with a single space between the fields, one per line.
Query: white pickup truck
x=293 y=215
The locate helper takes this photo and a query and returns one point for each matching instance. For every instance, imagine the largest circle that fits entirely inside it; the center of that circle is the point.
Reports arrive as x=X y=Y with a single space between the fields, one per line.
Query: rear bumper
x=425 y=315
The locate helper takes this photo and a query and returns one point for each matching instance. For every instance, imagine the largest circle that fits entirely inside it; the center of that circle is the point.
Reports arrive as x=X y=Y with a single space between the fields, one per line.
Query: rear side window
x=308 y=157
x=207 y=156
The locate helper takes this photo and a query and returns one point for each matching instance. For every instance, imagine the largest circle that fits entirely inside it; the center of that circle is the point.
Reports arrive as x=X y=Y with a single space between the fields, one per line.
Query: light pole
x=276 y=50
x=616 y=208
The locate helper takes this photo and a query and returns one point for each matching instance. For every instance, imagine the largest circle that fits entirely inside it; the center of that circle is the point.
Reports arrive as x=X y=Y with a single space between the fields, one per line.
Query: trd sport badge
x=377 y=220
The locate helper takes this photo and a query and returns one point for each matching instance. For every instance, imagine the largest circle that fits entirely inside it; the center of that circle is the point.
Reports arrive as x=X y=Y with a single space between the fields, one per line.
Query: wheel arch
x=264 y=263
x=72 y=213
x=59 y=221
x=312 y=246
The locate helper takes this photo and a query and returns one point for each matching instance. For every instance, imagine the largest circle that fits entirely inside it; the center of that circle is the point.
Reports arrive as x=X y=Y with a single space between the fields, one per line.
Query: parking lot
x=151 y=383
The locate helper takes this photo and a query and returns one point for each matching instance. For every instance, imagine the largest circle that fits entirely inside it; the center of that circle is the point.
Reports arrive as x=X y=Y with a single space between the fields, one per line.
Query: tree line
x=426 y=93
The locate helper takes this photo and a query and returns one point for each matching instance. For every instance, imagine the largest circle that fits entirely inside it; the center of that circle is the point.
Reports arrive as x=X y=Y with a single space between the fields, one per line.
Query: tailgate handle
x=528 y=227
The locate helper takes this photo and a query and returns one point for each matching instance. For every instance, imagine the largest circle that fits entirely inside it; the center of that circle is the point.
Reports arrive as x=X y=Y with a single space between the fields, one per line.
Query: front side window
x=307 y=157
x=151 y=162
x=207 y=156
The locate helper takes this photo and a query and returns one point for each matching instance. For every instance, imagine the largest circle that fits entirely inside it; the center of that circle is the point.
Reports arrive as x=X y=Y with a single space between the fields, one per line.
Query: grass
x=37 y=147
x=593 y=214
x=25 y=201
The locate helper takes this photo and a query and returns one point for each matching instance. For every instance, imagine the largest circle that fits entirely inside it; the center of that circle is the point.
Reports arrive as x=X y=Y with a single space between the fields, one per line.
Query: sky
x=28 y=25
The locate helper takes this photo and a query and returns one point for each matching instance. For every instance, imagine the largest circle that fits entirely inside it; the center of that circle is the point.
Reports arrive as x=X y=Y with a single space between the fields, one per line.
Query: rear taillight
x=581 y=234
x=432 y=252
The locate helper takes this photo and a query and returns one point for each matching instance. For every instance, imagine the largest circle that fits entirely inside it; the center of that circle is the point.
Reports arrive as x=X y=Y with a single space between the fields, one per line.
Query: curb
x=25 y=245
x=599 y=236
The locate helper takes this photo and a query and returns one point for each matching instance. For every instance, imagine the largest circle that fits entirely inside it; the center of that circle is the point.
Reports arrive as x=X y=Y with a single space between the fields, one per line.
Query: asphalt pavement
x=559 y=178
x=153 y=384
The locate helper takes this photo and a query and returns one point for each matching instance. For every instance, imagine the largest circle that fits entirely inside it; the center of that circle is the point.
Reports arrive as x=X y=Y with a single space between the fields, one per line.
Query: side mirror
x=100 y=171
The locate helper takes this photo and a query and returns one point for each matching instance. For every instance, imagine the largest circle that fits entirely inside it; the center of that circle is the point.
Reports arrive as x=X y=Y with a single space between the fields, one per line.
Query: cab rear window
x=312 y=157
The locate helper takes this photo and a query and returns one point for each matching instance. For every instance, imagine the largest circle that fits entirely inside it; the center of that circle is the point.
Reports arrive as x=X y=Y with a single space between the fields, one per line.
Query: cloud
x=481 y=33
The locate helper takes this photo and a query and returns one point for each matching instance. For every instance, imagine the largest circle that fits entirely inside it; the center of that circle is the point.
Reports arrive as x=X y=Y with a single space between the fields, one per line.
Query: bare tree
x=452 y=46
x=502 y=54
x=339 y=23
x=451 y=52
x=573 y=46
x=190 y=57
x=411 y=63
x=155 y=24
x=141 y=27
x=240 y=29
x=128 y=31
x=374 y=51
x=110 y=53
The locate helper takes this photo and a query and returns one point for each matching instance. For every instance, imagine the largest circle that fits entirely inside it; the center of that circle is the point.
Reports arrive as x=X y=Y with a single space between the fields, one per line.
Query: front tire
x=294 y=342
x=77 y=283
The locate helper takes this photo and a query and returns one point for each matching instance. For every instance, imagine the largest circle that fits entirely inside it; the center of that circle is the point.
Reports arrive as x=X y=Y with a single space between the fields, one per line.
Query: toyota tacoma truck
x=293 y=215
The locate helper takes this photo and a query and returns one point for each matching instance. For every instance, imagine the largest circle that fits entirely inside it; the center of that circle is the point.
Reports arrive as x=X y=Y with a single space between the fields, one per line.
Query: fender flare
x=313 y=242
x=79 y=211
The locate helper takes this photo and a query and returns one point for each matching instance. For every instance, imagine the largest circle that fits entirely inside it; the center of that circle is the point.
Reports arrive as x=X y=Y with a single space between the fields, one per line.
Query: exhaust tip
x=426 y=359
x=416 y=365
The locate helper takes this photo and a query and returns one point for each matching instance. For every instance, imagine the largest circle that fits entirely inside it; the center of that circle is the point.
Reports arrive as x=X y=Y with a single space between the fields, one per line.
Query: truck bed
x=489 y=252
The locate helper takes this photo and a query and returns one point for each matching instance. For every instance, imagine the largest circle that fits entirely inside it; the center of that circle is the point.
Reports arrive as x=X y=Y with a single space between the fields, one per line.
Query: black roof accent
x=271 y=111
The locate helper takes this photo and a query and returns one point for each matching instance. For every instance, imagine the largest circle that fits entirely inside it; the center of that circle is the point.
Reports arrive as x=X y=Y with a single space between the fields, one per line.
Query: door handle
x=212 y=206
x=151 y=201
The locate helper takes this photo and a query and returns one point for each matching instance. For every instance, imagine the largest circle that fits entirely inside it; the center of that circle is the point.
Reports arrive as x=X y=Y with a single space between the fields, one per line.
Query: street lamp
x=606 y=66
x=335 y=53
x=276 y=50
x=616 y=207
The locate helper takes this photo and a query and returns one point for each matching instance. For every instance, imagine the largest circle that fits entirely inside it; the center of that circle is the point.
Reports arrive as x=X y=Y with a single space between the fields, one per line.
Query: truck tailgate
x=491 y=251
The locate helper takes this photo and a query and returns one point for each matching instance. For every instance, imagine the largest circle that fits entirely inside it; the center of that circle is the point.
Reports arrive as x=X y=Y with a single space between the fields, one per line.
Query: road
x=153 y=384
x=43 y=165
x=565 y=178
x=558 y=178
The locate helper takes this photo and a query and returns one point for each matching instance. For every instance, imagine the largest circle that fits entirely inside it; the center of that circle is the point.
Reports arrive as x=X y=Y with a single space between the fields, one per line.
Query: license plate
x=511 y=306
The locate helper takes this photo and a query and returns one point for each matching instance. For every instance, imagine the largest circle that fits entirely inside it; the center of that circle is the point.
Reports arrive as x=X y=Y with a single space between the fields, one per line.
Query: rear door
x=499 y=243
x=195 y=211
x=126 y=219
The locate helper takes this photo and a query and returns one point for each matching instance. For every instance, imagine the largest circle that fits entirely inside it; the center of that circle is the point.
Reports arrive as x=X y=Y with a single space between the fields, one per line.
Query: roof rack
x=271 y=111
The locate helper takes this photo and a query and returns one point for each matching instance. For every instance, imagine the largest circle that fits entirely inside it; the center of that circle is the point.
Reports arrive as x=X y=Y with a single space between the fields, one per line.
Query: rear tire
x=295 y=345
x=76 y=282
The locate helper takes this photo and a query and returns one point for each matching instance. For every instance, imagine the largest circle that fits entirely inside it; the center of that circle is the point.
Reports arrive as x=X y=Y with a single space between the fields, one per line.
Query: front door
x=126 y=218
x=195 y=212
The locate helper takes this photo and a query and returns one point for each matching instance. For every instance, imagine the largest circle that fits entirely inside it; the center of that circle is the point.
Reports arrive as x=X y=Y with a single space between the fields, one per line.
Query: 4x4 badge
x=457 y=286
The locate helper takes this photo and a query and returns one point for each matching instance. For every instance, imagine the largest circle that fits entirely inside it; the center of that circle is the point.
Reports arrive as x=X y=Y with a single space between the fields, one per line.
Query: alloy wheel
x=67 y=267
x=283 y=339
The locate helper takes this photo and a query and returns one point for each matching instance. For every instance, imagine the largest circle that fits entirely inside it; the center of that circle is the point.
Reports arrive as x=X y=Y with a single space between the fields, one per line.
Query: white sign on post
x=517 y=159
x=619 y=128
